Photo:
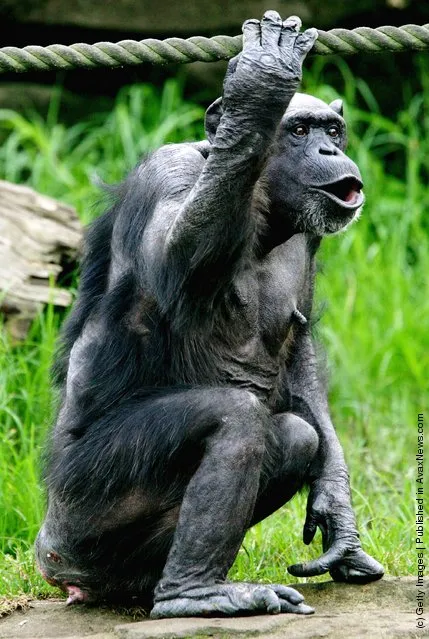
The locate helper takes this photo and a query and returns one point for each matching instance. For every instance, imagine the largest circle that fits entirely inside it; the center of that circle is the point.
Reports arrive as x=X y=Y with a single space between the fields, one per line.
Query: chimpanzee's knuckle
x=353 y=544
x=268 y=62
x=321 y=505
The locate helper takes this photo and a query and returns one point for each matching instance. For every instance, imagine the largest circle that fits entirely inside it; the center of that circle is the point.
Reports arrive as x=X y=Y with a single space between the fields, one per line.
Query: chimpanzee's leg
x=125 y=479
x=291 y=445
x=207 y=538
x=93 y=547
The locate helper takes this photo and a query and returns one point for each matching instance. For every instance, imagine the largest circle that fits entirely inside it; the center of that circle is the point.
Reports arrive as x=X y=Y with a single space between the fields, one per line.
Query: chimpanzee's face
x=310 y=179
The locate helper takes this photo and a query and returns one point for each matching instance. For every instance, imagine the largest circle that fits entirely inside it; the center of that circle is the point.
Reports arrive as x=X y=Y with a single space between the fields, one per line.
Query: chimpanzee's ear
x=337 y=106
x=212 y=119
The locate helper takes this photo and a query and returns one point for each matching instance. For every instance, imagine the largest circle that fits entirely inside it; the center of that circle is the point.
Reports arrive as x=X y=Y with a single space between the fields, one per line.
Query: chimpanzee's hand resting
x=270 y=66
x=329 y=509
x=232 y=598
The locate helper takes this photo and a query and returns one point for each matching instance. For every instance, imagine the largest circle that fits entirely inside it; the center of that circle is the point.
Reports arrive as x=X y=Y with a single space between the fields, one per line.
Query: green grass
x=374 y=327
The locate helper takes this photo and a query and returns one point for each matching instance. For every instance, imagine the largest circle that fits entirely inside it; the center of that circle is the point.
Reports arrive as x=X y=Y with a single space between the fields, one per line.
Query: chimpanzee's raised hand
x=268 y=70
x=329 y=508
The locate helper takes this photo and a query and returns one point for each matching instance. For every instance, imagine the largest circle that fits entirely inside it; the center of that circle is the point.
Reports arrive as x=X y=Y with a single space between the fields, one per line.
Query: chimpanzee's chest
x=272 y=297
x=283 y=290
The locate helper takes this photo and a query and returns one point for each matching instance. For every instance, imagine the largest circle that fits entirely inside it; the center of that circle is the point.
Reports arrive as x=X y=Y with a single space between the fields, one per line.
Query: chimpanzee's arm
x=204 y=236
x=329 y=504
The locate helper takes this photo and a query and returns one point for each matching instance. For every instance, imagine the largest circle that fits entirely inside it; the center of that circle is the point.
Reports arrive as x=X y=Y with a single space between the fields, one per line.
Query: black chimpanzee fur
x=191 y=406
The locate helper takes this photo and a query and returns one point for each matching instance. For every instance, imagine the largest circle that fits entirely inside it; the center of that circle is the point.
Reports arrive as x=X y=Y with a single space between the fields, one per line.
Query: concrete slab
x=53 y=619
x=383 y=610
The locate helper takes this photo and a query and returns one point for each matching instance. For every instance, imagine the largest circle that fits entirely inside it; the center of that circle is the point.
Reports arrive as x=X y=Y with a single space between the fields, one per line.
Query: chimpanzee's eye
x=300 y=130
x=333 y=132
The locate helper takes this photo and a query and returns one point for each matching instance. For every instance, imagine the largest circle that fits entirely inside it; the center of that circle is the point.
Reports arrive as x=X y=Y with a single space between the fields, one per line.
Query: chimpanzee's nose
x=328 y=149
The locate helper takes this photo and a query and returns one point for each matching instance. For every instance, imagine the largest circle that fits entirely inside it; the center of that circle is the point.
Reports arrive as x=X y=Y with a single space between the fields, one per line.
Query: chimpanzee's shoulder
x=184 y=152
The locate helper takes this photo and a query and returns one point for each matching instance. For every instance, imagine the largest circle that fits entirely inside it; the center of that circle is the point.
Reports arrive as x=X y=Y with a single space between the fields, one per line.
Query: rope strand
x=410 y=37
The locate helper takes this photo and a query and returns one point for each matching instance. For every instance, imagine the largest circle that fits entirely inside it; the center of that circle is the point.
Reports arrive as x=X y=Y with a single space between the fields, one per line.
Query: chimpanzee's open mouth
x=346 y=192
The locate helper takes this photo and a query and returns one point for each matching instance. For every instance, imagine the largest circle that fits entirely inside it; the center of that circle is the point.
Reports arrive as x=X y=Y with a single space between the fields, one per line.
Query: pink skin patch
x=75 y=595
x=352 y=196
x=348 y=190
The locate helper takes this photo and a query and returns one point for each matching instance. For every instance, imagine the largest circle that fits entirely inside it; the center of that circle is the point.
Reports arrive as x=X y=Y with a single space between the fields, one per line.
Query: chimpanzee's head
x=311 y=182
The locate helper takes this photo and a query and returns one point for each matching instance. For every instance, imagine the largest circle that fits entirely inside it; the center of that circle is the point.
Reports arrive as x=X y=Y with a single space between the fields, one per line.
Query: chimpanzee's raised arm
x=212 y=227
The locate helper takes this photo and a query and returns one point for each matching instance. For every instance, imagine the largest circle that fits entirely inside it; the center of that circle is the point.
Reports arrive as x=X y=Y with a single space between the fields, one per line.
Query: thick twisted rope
x=131 y=52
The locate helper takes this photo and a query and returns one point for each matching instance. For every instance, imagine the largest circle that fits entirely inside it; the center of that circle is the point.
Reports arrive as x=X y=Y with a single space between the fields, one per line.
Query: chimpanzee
x=191 y=406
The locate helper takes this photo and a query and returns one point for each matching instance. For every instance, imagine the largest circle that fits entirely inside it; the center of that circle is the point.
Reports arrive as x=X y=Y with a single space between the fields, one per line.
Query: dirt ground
x=382 y=610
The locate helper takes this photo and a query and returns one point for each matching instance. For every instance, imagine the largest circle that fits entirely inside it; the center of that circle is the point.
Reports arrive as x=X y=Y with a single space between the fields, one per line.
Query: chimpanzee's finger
x=265 y=599
x=321 y=565
x=290 y=28
x=305 y=41
x=299 y=609
x=310 y=528
x=251 y=32
x=271 y=27
x=288 y=593
x=292 y=23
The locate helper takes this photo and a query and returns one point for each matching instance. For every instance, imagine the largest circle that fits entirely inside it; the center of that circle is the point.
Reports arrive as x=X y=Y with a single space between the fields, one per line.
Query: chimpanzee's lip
x=346 y=192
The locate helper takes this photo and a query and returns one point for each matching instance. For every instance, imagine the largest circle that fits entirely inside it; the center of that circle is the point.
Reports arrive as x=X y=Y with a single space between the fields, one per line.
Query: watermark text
x=421 y=621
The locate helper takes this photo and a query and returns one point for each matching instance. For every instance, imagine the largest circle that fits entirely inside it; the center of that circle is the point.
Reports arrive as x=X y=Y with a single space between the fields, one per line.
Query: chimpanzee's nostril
x=328 y=150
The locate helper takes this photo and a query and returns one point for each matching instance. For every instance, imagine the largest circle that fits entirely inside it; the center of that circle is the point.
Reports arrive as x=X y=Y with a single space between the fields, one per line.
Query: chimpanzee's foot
x=232 y=599
x=357 y=568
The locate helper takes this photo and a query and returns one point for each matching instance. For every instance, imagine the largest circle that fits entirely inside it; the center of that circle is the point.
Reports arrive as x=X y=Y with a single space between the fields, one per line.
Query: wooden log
x=38 y=235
